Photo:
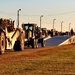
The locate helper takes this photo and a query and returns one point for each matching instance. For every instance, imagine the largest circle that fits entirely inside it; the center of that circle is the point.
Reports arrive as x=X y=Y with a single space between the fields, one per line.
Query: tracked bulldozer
x=10 y=37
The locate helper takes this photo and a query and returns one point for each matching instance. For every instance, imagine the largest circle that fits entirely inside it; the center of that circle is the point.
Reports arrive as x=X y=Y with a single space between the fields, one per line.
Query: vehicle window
x=26 y=27
x=30 y=28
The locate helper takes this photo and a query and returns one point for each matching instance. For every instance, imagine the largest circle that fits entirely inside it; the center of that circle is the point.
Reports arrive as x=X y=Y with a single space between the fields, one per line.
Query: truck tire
x=34 y=43
x=2 y=42
x=42 y=42
x=19 y=43
x=17 y=46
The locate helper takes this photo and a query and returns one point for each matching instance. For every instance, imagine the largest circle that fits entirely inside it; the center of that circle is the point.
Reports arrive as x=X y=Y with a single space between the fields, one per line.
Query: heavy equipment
x=44 y=32
x=10 y=37
x=32 y=38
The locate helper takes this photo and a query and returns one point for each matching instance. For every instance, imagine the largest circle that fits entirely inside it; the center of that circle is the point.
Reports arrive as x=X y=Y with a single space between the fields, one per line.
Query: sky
x=31 y=10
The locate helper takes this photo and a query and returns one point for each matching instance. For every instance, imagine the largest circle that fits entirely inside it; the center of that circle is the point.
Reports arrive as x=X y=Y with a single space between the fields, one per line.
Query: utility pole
x=40 y=20
x=18 y=18
x=61 y=26
x=53 y=23
x=69 y=26
x=53 y=26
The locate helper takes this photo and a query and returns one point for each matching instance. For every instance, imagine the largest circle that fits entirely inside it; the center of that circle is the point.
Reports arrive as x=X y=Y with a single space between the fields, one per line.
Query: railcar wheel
x=2 y=42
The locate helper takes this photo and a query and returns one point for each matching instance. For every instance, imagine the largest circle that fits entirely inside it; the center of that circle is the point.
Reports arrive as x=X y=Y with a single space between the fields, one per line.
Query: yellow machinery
x=10 y=37
x=31 y=37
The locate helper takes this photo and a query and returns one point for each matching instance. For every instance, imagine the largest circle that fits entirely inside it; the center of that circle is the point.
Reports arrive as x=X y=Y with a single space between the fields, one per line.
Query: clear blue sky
x=31 y=10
